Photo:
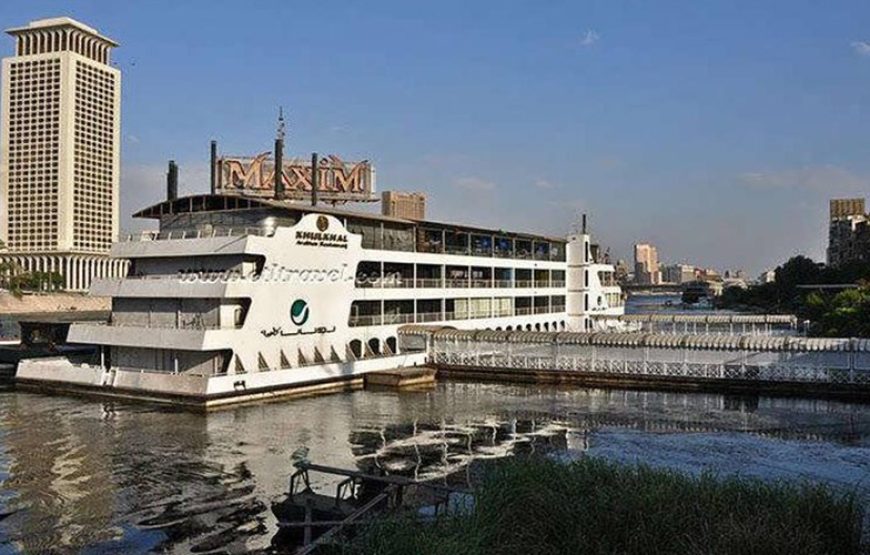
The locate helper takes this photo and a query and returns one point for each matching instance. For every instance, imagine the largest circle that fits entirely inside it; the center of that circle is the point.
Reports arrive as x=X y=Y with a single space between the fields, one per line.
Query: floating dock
x=755 y=364
x=401 y=378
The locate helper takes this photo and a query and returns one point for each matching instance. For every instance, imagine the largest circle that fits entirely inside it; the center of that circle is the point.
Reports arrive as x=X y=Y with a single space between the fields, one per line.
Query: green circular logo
x=299 y=312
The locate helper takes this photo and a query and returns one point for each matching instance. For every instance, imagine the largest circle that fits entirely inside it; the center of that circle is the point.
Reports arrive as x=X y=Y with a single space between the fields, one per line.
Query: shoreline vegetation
x=802 y=287
x=536 y=505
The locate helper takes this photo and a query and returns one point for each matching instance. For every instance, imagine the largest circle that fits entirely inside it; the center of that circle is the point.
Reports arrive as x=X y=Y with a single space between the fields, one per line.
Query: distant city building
x=411 y=206
x=708 y=274
x=60 y=150
x=734 y=282
x=623 y=272
x=848 y=232
x=767 y=276
x=679 y=273
x=845 y=207
x=646 y=265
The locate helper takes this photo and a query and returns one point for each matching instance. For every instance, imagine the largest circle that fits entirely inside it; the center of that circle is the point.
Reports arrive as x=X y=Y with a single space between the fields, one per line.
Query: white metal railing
x=365 y=320
x=479 y=314
x=401 y=318
x=759 y=366
x=429 y=317
x=429 y=283
x=196 y=234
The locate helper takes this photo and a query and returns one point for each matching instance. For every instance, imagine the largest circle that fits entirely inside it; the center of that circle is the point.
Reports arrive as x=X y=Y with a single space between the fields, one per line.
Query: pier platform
x=401 y=378
x=787 y=365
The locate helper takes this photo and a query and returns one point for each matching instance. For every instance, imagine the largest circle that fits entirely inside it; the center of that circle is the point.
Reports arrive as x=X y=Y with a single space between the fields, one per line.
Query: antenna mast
x=279 y=155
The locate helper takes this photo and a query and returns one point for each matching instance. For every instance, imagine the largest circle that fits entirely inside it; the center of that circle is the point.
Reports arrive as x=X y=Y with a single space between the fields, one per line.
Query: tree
x=847 y=314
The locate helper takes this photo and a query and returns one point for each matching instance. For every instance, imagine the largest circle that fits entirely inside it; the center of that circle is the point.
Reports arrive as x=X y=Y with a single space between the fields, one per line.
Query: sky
x=716 y=130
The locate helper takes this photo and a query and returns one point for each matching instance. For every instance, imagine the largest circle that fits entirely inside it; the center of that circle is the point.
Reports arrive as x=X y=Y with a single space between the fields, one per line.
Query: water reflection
x=111 y=477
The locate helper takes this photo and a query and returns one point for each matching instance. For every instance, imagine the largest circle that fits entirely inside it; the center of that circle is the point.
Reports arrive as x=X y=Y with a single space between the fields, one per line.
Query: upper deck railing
x=195 y=234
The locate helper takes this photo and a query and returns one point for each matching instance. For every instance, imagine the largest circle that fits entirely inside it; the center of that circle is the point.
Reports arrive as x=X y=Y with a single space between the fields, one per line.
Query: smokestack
x=315 y=178
x=213 y=177
x=584 y=224
x=172 y=181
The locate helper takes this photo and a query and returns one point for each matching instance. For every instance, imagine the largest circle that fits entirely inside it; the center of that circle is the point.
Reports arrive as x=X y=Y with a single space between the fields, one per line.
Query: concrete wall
x=56 y=302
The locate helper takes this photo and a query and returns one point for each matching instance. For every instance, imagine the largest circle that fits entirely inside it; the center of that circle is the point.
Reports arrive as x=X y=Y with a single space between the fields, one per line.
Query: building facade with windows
x=646 y=265
x=679 y=273
x=60 y=152
x=399 y=204
x=848 y=232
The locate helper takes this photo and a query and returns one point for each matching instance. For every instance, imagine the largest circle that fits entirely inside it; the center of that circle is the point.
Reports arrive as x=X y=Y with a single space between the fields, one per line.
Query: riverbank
x=29 y=305
x=32 y=303
x=537 y=505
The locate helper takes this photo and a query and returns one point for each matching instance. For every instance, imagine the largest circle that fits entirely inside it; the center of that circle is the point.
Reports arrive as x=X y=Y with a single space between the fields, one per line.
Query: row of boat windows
x=400 y=275
x=377 y=234
x=407 y=311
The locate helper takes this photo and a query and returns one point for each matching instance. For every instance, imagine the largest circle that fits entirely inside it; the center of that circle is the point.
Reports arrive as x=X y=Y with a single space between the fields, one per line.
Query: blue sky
x=716 y=130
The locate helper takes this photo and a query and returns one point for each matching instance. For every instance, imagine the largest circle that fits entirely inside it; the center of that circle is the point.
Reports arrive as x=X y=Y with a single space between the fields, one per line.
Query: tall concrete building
x=60 y=152
x=411 y=206
x=679 y=273
x=646 y=264
x=848 y=232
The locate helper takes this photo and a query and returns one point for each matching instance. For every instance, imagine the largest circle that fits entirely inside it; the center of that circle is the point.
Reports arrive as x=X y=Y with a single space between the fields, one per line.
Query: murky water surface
x=108 y=477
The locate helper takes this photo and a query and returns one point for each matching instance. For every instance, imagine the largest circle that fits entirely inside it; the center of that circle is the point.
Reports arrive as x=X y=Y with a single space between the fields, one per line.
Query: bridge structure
x=652 y=288
x=746 y=363
x=744 y=324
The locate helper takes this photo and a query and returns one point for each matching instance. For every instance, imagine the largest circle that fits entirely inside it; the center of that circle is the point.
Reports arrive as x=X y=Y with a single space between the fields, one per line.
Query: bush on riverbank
x=832 y=312
x=537 y=506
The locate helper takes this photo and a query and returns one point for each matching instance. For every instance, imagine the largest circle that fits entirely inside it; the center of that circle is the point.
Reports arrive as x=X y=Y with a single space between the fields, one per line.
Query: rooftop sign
x=337 y=180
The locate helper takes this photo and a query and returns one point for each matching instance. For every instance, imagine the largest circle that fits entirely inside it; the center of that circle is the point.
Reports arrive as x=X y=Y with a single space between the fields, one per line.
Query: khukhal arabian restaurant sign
x=322 y=237
x=336 y=179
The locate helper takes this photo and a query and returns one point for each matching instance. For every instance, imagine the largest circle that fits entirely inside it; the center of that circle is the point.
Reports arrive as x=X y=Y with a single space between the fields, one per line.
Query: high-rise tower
x=60 y=151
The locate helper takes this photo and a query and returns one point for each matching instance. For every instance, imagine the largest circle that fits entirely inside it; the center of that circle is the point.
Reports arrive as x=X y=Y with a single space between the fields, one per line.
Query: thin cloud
x=861 y=47
x=589 y=38
x=473 y=184
x=544 y=184
x=815 y=178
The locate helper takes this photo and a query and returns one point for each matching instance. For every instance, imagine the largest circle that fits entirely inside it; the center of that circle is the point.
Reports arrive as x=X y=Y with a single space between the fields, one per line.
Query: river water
x=110 y=477
x=82 y=475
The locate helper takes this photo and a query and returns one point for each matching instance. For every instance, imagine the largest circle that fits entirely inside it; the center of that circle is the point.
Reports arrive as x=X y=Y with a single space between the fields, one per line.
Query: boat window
x=356 y=348
x=542 y=250
x=481 y=245
x=523 y=248
x=503 y=247
x=430 y=240
x=391 y=345
x=374 y=346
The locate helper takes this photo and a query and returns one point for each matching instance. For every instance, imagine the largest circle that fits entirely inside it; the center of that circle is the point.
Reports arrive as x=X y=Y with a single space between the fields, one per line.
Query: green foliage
x=538 y=506
x=17 y=281
x=842 y=314
x=846 y=314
